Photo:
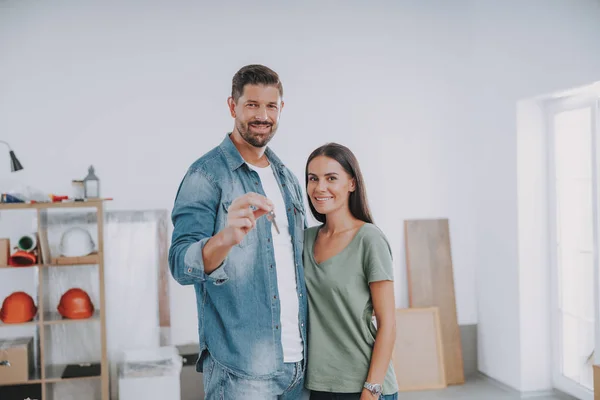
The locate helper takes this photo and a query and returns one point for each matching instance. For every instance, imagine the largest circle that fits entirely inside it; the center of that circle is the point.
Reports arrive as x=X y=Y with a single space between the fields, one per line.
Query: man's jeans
x=346 y=396
x=220 y=384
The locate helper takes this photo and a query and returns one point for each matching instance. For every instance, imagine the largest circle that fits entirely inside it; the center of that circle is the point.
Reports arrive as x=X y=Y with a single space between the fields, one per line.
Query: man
x=245 y=265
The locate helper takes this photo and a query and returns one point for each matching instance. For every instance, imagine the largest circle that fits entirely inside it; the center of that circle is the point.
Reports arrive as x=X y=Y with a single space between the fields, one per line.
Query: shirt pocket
x=250 y=238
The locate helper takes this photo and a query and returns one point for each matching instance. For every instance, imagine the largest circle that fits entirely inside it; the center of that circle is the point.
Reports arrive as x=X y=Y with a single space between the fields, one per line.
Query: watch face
x=375 y=388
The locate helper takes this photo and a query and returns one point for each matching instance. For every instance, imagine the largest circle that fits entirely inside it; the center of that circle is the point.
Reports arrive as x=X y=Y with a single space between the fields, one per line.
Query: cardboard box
x=192 y=382
x=18 y=352
x=31 y=391
x=4 y=252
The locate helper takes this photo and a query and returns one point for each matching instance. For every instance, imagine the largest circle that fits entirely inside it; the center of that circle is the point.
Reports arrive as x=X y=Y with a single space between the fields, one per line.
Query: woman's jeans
x=346 y=396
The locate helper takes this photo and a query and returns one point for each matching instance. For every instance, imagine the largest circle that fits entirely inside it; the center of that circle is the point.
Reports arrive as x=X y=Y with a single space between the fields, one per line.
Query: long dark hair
x=359 y=206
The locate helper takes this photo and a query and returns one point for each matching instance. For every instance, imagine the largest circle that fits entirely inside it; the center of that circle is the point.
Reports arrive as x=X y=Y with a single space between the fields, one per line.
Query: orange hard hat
x=75 y=304
x=17 y=308
x=22 y=259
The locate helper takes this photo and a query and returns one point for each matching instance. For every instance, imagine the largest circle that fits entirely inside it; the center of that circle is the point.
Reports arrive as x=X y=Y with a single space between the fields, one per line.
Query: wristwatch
x=374 y=388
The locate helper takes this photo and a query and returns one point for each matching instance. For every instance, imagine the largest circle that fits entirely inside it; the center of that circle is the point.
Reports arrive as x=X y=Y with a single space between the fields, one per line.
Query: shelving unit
x=46 y=317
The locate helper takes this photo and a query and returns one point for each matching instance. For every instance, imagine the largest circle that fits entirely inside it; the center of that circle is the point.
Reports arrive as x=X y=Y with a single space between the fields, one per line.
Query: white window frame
x=554 y=107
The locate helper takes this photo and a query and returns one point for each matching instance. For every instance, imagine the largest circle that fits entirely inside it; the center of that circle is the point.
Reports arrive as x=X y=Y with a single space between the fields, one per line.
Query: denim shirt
x=238 y=303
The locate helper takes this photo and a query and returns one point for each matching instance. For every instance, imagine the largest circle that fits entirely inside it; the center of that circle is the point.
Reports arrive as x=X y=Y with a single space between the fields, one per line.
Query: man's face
x=257 y=113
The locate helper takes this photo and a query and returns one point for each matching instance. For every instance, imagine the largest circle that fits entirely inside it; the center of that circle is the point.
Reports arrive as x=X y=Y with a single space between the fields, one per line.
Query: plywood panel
x=431 y=284
x=164 y=305
x=418 y=354
x=596 y=382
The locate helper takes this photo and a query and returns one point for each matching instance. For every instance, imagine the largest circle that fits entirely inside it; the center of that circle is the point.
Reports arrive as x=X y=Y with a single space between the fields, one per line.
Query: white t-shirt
x=285 y=268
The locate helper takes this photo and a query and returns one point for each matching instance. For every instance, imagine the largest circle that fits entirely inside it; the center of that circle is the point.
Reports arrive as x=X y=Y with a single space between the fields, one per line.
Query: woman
x=349 y=277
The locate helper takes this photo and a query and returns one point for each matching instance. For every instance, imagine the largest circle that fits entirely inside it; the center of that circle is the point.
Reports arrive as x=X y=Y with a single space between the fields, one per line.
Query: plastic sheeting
x=134 y=247
x=152 y=362
x=151 y=374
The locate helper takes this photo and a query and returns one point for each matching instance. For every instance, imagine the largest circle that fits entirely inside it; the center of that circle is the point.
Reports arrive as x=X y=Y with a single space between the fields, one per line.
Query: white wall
x=140 y=92
x=533 y=248
x=522 y=49
x=424 y=92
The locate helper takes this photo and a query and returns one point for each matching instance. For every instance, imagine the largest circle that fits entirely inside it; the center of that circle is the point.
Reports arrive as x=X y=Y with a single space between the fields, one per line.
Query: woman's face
x=329 y=185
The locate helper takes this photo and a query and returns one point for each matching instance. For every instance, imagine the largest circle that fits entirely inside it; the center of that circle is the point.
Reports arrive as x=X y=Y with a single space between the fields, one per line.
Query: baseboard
x=529 y=394
x=545 y=393
x=468 y=341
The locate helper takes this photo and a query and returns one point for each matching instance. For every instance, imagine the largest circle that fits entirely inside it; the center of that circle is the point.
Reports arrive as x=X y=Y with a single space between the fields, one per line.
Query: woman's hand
x=366 y=395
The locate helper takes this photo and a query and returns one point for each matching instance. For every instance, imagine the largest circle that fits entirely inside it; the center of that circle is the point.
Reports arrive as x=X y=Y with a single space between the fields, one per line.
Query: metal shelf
x=62 y=204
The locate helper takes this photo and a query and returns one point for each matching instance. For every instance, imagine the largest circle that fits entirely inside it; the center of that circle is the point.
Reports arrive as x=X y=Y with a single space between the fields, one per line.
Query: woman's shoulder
x=373 y=235
x=312 y=229
x=311 y=232
x=372 y=231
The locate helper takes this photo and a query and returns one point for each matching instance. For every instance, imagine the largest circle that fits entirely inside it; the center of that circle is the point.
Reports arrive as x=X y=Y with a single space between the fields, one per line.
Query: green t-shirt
x=341 y=334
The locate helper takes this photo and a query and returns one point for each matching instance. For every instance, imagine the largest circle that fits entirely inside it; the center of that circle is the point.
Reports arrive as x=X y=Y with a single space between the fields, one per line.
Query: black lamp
x=15 y=164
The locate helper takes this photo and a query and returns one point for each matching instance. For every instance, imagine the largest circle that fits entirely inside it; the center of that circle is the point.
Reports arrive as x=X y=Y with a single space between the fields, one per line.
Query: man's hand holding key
x=242 y=215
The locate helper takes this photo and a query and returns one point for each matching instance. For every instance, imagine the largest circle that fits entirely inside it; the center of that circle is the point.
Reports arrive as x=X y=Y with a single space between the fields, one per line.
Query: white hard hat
x=76 y=242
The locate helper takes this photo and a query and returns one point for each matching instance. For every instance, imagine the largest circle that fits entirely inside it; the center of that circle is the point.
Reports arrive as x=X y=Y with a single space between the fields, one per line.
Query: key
x=271 y=217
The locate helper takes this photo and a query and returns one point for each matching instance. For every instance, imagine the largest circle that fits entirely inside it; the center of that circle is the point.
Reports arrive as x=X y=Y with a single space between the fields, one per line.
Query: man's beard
x=255 y=139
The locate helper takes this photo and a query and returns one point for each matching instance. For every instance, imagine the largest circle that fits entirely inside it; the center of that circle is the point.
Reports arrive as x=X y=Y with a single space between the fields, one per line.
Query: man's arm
x=194 y=221
x=195 y=254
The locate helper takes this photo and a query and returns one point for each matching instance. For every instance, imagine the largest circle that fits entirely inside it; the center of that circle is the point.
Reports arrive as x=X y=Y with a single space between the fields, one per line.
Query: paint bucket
x=27 y=243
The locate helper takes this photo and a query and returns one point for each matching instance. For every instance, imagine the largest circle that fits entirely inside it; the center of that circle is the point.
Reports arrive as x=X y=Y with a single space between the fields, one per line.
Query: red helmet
x=22 y=259
x=17 y=308
x=75 y=304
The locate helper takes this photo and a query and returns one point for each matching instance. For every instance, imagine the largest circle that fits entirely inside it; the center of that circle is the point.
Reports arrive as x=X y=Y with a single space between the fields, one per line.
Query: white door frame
x=561 y=382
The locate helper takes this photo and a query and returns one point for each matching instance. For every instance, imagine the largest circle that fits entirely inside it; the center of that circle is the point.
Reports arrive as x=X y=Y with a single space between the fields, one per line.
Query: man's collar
x=232 y=154
x=235 y=159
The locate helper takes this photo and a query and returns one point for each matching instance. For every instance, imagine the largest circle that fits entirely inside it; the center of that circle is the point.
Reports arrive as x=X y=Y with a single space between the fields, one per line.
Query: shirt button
x=271 y=265
x=300 y=294
x=256 y=183
x=269 y=240
x=189 y=270
x=289 y=209
x=276 y=326
x=275 y=297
